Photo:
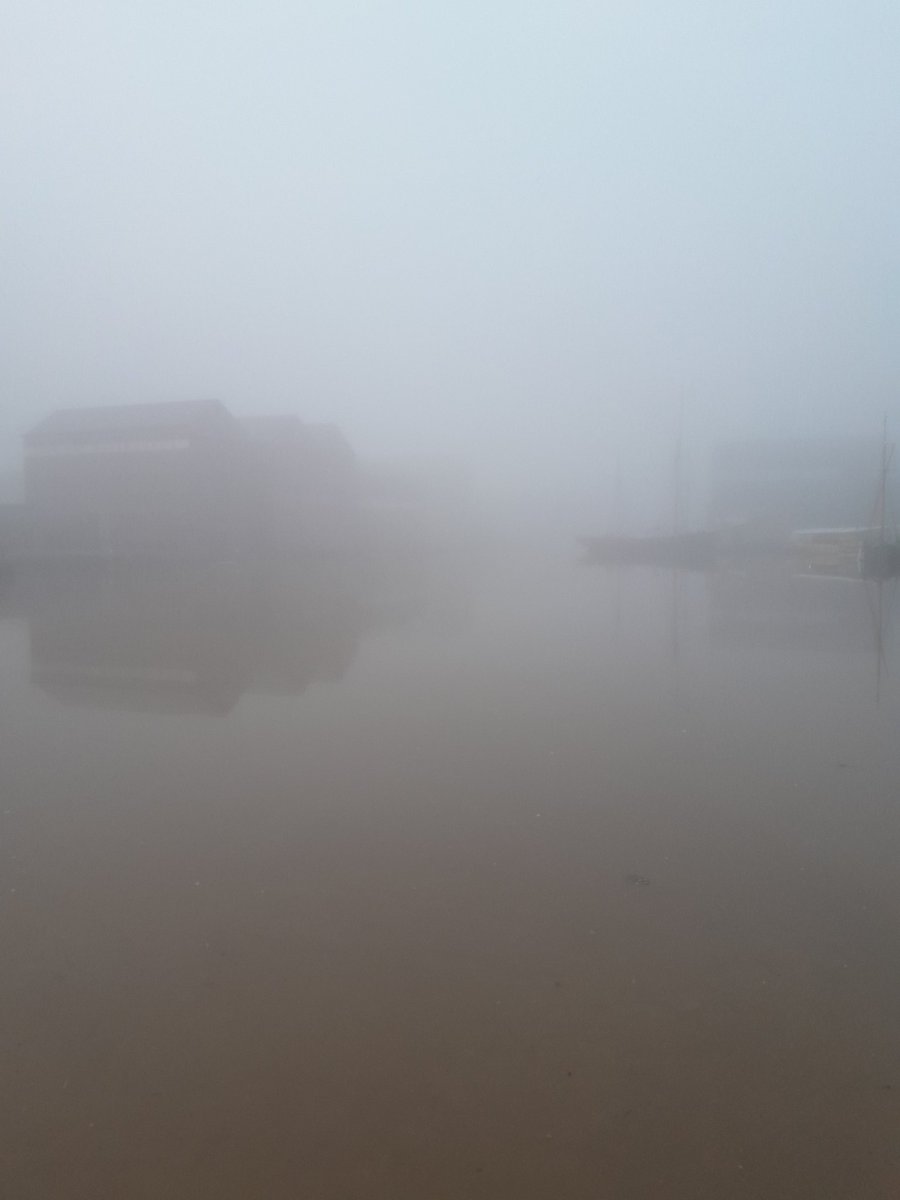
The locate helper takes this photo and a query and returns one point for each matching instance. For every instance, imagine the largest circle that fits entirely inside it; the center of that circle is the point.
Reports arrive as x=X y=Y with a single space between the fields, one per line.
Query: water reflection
x=503 y=916
x=195 y=638
x=773 y=606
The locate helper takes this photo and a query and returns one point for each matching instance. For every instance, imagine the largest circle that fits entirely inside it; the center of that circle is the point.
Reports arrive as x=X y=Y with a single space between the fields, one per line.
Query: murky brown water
x=531 y=881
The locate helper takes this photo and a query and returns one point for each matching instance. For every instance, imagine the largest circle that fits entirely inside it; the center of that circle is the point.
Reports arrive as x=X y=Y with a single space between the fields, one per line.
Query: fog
x=517 y=234
x=449 y=674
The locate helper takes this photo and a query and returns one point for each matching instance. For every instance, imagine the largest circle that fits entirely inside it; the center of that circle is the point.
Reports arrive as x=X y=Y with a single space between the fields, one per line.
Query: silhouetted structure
x=14 y=534
x=309 y=483
x=693 y=551
x=147 y=479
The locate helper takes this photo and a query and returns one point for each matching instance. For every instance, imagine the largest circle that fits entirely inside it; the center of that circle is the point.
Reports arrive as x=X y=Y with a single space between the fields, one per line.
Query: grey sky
x=511 y=231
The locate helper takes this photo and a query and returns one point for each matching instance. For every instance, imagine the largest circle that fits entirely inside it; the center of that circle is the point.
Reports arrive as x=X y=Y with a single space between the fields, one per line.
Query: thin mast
x=882 y=496
x=676 y=488
x=617 y=507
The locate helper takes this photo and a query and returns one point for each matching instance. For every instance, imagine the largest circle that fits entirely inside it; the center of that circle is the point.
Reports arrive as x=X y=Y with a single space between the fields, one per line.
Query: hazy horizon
x=515 y=235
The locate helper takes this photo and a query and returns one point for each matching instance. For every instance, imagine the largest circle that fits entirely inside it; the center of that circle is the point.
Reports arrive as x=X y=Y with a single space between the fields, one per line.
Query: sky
x=522 y=235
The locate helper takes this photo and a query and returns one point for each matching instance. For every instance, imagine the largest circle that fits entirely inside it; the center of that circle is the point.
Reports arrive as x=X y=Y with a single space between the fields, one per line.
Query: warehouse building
x=310 y=483
x=146 y=479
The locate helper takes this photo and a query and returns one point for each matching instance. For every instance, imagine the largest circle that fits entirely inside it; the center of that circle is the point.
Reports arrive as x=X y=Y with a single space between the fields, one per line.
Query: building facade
x=309 y=483
x=148 y=480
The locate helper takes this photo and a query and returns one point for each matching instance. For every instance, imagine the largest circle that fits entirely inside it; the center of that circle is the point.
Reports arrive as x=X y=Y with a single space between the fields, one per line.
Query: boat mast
x=882 y=491
x=617 y=506
x=676 y=471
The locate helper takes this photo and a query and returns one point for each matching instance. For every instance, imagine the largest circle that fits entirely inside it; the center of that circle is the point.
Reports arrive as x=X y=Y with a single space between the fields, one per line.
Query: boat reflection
x=776 y=607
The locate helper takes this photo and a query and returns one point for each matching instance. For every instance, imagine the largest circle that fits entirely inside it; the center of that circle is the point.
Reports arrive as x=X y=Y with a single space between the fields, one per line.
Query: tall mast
x=882 y=493
x=676 y=482
x=617 y=508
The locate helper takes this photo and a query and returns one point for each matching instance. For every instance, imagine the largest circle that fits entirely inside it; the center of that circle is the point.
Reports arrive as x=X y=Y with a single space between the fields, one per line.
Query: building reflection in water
x=183 y=638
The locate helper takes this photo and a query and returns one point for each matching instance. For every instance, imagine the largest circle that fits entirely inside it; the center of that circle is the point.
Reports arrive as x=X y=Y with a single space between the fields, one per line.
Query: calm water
x=524 y=880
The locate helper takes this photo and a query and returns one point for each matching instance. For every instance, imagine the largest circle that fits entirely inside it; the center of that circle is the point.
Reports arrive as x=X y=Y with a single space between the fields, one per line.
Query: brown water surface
x=445 y=883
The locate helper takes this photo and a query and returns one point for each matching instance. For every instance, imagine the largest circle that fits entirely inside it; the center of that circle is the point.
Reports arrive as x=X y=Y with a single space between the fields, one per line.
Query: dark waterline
x=520 y=880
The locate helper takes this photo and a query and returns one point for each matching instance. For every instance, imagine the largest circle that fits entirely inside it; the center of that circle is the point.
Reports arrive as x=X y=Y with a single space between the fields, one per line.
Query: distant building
x=398 y=508
x=310 y=482
x=14 y=533
x=144 y=479
x=779 y=486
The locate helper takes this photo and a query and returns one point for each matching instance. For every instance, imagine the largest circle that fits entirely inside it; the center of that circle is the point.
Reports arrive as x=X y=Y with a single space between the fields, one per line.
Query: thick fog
x=520 y=236
x=449 y=599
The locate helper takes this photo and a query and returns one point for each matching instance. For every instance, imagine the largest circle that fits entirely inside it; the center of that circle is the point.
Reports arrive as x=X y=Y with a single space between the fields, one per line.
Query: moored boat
x=695 y=550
